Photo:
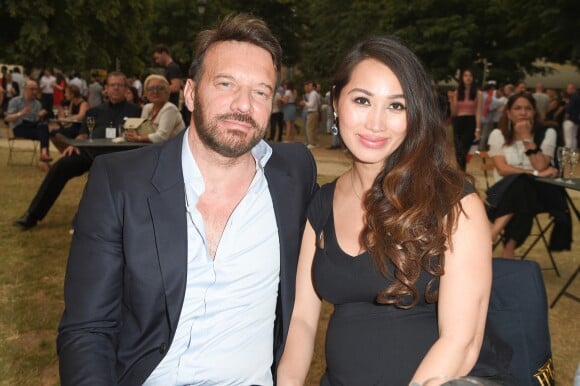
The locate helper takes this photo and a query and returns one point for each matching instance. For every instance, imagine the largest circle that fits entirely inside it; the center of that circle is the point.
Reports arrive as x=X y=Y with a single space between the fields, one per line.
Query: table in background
x=574 y=184
x=567 y=183
x=105 y=145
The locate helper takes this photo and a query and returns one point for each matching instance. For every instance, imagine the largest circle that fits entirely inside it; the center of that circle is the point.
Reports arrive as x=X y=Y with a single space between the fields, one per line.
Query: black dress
x=368 y=343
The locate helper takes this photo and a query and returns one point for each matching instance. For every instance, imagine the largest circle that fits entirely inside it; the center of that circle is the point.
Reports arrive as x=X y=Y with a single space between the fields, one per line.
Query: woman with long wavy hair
x=399 y=243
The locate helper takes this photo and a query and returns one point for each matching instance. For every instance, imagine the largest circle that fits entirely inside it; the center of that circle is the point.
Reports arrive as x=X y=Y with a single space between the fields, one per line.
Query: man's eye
x=262 y=94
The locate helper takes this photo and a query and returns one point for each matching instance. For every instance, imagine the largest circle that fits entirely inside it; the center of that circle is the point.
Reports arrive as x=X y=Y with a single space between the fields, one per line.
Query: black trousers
x=33 y=130
x=60 y=173
x=276 y=119
x=463 y=136
x=47 y=102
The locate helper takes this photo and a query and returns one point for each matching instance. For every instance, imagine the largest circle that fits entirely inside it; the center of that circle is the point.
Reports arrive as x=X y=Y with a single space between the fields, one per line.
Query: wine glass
x=562 y=157
x=55 y=112
x=573 y=160
x=90 y=127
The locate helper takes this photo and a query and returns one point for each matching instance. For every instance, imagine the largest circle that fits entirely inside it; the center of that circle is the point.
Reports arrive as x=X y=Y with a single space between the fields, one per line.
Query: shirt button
x=163 y=348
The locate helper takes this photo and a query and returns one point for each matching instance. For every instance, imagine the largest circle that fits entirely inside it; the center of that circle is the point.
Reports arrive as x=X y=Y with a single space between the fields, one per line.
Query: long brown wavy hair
x=413 y=205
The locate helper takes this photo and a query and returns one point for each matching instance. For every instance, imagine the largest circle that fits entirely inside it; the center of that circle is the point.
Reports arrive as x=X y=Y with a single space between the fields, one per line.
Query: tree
x=80 y=35
x=330 y=28
x=446 y=35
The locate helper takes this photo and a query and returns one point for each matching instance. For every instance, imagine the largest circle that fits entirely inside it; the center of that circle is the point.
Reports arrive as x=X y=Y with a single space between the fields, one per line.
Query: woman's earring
x=334 y=127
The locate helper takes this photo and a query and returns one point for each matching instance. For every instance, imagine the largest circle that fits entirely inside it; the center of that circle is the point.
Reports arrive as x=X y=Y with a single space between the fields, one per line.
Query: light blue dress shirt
x=225 y=331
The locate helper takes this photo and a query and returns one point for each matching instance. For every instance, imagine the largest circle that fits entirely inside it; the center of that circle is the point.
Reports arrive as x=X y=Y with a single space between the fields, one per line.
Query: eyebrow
x=366 y=92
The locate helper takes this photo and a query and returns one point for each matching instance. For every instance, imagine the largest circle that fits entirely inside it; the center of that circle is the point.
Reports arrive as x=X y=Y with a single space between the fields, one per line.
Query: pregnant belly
x=368 y=344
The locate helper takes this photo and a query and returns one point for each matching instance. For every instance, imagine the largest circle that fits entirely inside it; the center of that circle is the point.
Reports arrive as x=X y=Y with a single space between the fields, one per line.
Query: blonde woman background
x=164 y=117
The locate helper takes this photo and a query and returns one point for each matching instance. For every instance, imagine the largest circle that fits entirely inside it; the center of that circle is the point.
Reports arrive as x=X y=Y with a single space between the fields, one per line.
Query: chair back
x=486 y=166
x=518 y=314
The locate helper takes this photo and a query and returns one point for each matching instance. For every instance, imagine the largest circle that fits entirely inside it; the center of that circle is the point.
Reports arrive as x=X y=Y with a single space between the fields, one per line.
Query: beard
x=226 y=142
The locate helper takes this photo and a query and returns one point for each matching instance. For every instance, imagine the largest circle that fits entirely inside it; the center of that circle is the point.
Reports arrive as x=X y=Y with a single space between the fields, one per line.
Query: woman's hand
x=132 y=136
x=549 y=172
x=524 y=127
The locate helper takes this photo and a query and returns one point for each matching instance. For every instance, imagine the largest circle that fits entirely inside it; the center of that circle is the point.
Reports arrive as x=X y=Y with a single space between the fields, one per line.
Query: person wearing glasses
x=74 y=161
x=162 y=118
x=28 y=119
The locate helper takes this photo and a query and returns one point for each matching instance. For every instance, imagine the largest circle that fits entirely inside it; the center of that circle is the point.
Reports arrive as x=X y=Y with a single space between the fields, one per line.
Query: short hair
x=158 y=77
x=117 y=74
x=236 y=27
x=161 y=48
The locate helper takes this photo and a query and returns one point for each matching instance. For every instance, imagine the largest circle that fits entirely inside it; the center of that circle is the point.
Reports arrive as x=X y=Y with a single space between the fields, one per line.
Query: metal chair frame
x=488 y=166
x=15 y=149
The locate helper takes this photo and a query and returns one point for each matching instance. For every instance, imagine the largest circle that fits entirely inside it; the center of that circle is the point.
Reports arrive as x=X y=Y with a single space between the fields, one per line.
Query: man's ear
x=189 y=94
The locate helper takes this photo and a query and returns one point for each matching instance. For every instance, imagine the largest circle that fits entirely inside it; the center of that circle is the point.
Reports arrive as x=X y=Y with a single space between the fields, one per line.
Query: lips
x=372 y=141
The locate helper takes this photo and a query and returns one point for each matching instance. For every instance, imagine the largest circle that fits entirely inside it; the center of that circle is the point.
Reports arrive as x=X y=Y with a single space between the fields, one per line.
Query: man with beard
x=183 y=261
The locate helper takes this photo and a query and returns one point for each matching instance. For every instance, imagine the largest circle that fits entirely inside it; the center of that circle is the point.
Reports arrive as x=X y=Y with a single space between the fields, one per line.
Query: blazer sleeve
x=87 y=334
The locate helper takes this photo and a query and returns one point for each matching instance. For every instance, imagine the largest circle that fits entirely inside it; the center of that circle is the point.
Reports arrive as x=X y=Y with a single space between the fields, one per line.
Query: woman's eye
x=361 y=101
x=397 y=106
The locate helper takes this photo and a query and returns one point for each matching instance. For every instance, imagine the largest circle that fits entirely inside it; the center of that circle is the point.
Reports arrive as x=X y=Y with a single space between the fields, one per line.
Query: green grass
x=32 y=271
x=31 y=276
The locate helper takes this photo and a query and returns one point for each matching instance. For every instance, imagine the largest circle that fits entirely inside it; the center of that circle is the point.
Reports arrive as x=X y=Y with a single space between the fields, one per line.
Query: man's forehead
x=240 y=56
x=116 y=79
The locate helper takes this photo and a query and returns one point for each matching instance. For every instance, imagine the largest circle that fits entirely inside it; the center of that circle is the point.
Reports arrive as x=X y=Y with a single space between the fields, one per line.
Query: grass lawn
x=33 y=264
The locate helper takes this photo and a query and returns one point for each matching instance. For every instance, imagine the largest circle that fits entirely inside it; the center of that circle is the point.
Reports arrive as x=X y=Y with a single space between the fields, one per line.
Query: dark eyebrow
x=366 y=92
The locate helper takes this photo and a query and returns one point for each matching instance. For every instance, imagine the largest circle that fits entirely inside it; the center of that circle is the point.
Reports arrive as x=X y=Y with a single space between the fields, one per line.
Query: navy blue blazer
x=126 y=272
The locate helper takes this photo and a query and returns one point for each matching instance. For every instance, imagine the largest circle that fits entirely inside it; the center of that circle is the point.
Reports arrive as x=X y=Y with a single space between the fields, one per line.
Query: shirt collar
x=192 y=175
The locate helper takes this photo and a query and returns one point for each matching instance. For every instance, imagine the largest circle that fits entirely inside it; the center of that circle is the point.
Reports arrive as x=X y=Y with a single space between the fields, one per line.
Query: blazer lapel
x=170 y=226
x=282 y=189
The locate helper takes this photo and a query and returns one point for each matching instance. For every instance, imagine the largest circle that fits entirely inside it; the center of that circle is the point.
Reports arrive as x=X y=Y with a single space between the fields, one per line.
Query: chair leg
x=542 y=236
x=564 y=289
x=12 y=149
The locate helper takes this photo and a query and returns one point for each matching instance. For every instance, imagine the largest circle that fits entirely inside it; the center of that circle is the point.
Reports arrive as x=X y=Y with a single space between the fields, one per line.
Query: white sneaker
x=311 y=146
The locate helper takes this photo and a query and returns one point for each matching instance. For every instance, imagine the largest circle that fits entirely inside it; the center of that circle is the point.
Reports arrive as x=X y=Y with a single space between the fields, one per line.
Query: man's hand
x=70 y=150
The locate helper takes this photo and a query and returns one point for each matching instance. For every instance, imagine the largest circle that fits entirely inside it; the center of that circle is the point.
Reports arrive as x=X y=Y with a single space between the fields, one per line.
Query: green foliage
x=72 y=34
x=447 y=35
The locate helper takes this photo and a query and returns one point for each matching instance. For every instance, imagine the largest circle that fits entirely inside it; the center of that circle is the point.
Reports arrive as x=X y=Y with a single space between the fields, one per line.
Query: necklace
x=352 y=184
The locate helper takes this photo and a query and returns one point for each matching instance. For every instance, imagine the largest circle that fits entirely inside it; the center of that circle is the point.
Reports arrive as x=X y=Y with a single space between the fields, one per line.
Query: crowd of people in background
x=476 y=112
x=473 y=112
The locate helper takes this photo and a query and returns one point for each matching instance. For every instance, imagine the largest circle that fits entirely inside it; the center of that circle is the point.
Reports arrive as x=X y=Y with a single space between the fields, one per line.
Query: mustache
x=238 y=117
